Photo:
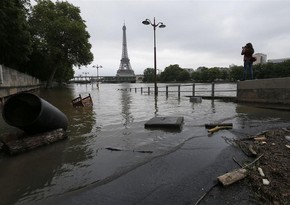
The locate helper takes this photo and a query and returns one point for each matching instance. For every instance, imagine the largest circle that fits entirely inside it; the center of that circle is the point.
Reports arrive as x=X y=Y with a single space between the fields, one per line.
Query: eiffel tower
x=125 y=69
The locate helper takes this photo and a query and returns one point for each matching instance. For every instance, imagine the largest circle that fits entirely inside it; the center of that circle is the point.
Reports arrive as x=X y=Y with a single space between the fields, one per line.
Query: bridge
x=106 y=79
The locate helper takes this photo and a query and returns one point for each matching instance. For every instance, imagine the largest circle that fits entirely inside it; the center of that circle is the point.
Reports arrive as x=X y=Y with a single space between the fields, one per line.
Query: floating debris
x=118 y=150
x=82 y=102
x=210 y=126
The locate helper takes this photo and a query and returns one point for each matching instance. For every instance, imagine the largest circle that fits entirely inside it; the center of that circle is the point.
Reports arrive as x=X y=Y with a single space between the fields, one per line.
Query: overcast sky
x=198 y=32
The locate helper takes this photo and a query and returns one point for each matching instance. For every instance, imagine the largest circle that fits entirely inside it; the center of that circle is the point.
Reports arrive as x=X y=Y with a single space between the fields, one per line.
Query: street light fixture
x=85 y=73
x=97 y=66
x=160 y=25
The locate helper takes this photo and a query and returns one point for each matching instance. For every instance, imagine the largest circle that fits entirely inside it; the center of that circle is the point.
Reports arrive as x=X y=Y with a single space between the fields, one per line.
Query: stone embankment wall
x=273 y=90
x=13 y=81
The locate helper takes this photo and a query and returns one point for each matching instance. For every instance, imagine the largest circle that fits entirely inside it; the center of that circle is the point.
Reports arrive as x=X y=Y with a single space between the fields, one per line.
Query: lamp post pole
x=160 y=25
x=155 y=63
x=97 y=66
x=85 y=73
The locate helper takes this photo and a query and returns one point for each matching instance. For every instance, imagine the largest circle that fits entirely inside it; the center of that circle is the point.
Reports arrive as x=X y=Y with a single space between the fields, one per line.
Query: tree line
x=46 y=40
x=174 y=73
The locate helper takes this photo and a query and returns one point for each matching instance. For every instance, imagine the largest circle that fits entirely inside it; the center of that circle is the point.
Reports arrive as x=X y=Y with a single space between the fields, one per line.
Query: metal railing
x=209 y=90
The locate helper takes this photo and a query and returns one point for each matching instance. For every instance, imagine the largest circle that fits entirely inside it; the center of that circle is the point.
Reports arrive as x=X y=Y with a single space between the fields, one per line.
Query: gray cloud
x=198 y=32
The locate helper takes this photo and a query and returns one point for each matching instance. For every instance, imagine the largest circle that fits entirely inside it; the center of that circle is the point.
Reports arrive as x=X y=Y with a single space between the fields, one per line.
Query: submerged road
x=182 y=176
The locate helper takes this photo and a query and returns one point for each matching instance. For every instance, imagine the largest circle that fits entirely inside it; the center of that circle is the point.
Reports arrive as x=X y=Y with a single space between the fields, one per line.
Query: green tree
x=224 y=74
x=59 y=36
x=204 y=74
x=170 y=74
x=183 y=76
x=15 y=40
x=148 y=75
x=195 y=75
x=284 y=69
x=236 y=73
x=213 y=74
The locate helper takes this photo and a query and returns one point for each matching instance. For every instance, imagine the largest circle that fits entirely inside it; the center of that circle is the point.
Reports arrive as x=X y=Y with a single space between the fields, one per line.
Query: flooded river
x=116 y=121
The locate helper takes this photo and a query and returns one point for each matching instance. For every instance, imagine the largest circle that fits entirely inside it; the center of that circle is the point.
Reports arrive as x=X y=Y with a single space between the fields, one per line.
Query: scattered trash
x=232 y=177
x=287 y=138
x=236 y=175
x=210 y=126
x=273 y=145
x=261 y=171
x=237 y=162
x=216 y=127
x=82 y=102
x=260 y=138
x=265 y=181
x=251 y=149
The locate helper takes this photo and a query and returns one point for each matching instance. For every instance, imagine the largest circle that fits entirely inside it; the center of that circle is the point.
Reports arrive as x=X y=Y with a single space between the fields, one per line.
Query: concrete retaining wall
x=13 y=81
x=274 y=90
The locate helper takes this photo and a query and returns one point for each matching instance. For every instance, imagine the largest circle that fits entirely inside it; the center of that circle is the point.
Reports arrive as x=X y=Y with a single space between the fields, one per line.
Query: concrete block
x=274 y=90
x=165 y=122
x=195 y=99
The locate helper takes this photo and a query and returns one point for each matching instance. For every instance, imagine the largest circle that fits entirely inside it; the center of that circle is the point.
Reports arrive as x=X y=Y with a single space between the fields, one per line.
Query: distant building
x=139 y=78
x=280 y=60
x=260 y=58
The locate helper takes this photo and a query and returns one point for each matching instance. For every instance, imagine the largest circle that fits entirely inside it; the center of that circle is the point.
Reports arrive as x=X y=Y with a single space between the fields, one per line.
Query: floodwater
x=116 y=121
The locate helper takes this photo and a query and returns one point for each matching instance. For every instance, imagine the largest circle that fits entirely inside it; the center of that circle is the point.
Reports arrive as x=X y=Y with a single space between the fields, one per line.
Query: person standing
x=248 y=52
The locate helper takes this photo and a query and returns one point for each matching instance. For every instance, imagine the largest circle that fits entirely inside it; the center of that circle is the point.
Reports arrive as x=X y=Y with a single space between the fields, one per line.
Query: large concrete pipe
x=33 y=114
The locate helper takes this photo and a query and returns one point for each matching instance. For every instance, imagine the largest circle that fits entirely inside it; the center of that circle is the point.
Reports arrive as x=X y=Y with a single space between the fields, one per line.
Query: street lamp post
x=86 y=73
x=97 y=66
x=160 y=25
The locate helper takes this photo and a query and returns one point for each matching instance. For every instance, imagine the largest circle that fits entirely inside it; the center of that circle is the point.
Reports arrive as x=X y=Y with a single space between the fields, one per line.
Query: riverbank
x=274 y=165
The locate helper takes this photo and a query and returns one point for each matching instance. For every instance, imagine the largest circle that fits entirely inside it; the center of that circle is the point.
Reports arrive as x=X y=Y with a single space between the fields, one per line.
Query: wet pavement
x=181 y=176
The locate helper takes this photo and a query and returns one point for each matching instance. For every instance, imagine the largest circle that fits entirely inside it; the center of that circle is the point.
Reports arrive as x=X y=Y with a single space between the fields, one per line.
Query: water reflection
x=156 y=105
x=126 y=103
x=213 y=106
x=251 y=115
x=26 y=174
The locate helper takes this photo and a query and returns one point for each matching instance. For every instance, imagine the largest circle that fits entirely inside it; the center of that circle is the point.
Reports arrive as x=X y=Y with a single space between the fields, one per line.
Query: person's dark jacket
x=248 y=51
